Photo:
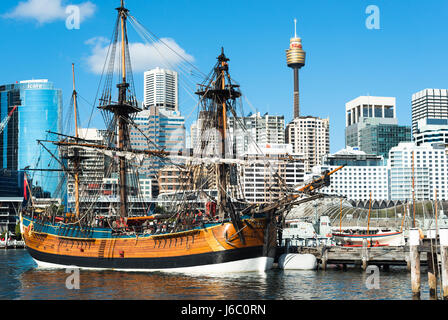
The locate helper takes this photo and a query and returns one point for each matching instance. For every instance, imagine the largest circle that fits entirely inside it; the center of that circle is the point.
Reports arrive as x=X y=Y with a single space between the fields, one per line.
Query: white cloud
x=144 y=56
x=45 y=11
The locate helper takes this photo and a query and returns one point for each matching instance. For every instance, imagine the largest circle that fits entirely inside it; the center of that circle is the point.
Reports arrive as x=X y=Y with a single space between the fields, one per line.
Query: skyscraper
x=431 y=131
x=256 y=129
x=39 y=110
x=309 y=136
x=160 y=125
x=157 y=128
x=372 y=126
x=429 y=103
x=161 y=89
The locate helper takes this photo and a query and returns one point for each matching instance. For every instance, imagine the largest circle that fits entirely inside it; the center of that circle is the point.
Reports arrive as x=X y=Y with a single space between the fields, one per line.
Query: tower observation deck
x=295 y=59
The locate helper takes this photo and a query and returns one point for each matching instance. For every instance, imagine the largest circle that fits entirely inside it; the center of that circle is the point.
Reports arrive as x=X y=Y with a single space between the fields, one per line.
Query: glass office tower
x=39 y=110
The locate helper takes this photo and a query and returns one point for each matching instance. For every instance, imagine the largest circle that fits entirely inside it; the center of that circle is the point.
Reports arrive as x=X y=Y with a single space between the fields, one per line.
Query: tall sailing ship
x=230 y=234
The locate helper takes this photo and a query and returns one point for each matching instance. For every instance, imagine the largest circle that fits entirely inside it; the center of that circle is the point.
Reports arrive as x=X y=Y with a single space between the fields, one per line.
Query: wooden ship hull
x=214 y=247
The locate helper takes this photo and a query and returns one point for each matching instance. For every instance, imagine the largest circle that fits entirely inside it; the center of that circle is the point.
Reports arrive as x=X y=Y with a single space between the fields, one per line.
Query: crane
x=6 y=120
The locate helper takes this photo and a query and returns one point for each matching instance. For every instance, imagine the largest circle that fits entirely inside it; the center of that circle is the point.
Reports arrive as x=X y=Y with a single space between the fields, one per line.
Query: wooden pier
x=12 y=245
x=430 y=251
x=357 y=256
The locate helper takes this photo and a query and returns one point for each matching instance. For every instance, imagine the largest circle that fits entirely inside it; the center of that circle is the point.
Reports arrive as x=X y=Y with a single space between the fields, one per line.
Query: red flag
x=25 y=185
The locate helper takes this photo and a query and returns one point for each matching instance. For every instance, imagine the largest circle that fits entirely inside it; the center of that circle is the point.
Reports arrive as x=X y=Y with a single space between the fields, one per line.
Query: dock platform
x=12 y=245
x=360 y=256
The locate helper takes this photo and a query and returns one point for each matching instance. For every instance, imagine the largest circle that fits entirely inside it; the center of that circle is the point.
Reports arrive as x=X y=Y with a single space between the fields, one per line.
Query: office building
x=39 y=111
x=258 y=180
x=157 y=129
x=161 y=89
x=255 y=129
x=309 y=136
x=363 y=175
x=173 y=178
x=429 y=103
x=431 y=131
x=11 y=198
x=426 y=164
x=160 y=126
x=95 y=166
x=371 y=125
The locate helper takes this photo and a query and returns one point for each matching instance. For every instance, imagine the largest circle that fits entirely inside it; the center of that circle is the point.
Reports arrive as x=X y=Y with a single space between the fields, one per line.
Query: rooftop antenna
x=295 y=28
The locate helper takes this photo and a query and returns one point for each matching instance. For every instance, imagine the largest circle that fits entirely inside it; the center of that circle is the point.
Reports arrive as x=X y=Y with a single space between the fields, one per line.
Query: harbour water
x=21 y=280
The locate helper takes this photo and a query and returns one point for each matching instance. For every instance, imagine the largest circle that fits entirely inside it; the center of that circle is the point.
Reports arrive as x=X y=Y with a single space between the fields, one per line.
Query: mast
x=76 y=159
x=125 y=105
x=222 y=123
x=340 y=218
x=413 y=191
x=122 y=125
x=218 y=96
x=370 y=208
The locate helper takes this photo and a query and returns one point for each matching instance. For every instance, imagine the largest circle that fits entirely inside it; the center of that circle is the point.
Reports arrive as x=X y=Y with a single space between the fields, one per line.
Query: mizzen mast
x=217 y=95
x=76 y=159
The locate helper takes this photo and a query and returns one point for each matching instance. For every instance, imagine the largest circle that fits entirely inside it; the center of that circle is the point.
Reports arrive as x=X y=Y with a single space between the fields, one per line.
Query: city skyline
x=345 y=59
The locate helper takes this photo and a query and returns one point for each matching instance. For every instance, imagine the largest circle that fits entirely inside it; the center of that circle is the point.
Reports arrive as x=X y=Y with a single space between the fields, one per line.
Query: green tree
x=17 y=232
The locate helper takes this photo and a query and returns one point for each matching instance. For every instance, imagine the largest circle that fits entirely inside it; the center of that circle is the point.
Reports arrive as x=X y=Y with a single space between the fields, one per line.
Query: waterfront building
x=363 y=174
x=94 y=167
x=98 y=184
x=426 y=164
x=161 y=89
x=259 y=183
x=173 y=178
x=11 y=198
x=431 y=131
x=309 y=136
x=429 y=103
x=256 y=129
x=371 y=125
x=39 y=111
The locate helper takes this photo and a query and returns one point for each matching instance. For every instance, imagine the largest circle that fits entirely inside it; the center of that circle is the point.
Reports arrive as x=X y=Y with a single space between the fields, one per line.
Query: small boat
x=297 y=261
x=375 y=237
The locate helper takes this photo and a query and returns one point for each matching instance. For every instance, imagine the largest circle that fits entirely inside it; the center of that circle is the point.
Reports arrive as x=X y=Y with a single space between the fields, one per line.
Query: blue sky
x=344 y=58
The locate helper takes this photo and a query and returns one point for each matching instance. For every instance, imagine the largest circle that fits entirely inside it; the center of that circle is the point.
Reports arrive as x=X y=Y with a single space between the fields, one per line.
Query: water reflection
x=19 y=279
x=130 y=285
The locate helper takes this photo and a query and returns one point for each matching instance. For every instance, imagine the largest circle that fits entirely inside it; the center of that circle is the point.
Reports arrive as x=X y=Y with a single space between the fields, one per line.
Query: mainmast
x=122 y=116
x=125 y=105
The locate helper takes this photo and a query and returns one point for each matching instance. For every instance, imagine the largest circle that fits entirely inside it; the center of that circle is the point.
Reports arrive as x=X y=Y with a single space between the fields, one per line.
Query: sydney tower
x=295 y=57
